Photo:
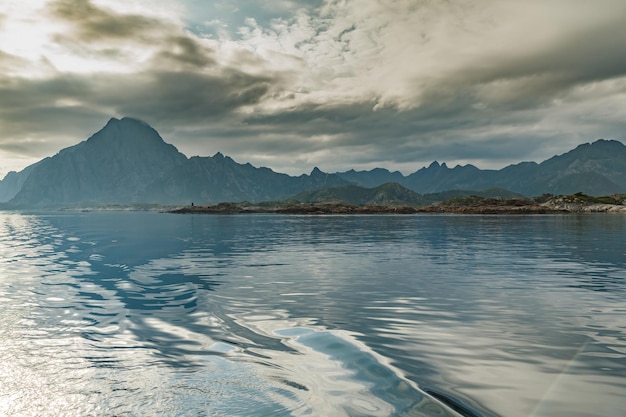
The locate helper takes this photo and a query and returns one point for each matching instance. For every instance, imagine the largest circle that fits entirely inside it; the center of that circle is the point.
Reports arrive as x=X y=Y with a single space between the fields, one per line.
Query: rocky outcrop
x=578 y=203
x=581 y=203
x=301 y=208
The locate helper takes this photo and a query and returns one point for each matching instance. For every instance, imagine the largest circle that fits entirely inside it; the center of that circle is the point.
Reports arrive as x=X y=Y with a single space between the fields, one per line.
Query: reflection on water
x=259 y=315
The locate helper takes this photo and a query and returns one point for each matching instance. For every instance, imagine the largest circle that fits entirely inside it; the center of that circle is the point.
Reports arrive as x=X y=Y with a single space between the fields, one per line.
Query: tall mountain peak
x=128 y=162
x=126 y=129
x=116 y=164
x=608 y=143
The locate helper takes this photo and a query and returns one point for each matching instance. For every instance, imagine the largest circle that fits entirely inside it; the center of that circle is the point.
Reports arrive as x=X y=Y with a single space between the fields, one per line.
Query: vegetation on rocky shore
x=545 y=204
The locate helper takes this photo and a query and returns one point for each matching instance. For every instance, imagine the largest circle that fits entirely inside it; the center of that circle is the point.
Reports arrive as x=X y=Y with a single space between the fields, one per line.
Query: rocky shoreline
x=557 y=205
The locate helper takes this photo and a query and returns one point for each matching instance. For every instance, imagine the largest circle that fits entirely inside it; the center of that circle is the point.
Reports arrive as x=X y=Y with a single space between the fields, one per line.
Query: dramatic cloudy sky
x=338 y=84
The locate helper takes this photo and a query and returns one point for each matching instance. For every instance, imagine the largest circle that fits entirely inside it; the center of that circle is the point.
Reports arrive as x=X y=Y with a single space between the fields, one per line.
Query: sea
x=154 y=314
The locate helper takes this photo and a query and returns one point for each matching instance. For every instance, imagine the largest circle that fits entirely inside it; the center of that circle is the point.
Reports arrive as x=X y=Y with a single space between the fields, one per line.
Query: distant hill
x=127 y=163
x=598 y=168
x=386 y=194
x=391 y=194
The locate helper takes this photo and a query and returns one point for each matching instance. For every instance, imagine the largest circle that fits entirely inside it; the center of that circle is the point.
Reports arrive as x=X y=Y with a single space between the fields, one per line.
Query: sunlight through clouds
x=390 y=78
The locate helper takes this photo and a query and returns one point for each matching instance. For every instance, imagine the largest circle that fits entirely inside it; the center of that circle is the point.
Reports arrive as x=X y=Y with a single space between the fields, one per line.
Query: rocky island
x=546 y=204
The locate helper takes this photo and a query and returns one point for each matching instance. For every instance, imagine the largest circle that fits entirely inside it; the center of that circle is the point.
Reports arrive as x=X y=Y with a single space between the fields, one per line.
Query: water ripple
x=150 y=314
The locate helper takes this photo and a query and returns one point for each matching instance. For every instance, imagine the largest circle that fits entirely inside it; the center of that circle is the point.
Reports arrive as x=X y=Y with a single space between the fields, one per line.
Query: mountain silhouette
x=127 y=162
x=597 y=168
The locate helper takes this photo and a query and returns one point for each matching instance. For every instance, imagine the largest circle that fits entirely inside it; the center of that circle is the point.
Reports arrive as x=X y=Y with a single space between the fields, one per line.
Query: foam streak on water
x=141 y=314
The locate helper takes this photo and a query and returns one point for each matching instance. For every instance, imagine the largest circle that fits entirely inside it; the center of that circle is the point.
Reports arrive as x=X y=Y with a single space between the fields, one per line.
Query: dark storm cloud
x=40 y=131
x=359 y=122
x=169 y=97
x=353 y=125
x=595 y=54
x=449 y=130
x=30 y=114
x=354 y=131
x=177 y=97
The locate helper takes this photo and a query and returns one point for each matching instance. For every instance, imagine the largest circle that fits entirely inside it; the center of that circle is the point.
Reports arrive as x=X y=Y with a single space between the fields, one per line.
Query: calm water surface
x=150 y=314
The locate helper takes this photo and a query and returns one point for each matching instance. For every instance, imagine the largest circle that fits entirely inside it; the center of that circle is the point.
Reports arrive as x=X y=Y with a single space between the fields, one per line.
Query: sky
x=334 y=84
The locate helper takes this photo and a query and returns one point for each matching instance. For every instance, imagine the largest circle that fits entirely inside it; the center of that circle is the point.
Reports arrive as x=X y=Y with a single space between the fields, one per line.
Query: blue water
x=153 y=314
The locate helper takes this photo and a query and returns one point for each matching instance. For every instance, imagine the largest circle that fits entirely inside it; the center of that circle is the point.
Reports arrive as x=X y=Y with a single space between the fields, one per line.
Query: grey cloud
x=529 y=80
x=92 y=23
x=383 y=132
x=204 y=109
x=361 y=122
x=42 y=130
x=186 y=51
x=30 y=107
x=452 y=131
x=33 y=106
x=22 y=95
x=499 y=109
x=175 y=85
x=185 y=97
x=100 y=32
x=9 y=61
x=595 y=54
x=181 y=84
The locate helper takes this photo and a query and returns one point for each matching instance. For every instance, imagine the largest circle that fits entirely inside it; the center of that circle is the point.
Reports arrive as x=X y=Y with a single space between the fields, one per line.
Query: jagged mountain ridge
x=127 y=162
x=597 y=168
x=118 y=163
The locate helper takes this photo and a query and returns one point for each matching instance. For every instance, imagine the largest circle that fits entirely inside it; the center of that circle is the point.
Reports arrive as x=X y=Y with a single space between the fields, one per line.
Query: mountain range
x=597 y=168
x=127 y=162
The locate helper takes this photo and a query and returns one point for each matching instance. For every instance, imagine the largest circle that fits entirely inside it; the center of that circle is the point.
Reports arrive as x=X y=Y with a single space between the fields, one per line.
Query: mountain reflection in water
x=155 y=314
